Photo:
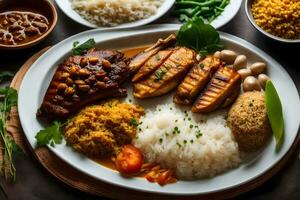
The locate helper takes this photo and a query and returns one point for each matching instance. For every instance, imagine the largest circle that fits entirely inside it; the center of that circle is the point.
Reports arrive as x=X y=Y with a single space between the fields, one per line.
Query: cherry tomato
x=129 y=160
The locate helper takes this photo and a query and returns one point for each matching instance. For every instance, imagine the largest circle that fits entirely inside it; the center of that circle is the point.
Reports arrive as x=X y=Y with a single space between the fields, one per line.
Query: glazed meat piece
x=196 y=80
x=224 y=83
x=83 y=79
x=141 y=58
x=152 y=64
x=167 y=76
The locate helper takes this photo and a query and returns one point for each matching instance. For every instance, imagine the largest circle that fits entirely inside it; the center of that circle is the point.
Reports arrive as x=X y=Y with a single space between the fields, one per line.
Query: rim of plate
x=65 y=6
x=135 y=184
x=228 y=14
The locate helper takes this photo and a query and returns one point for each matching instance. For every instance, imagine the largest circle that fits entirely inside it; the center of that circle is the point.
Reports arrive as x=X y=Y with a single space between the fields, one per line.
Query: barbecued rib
x=80 y=80
x=167 y=76
x=224 y=81
x=196 y=80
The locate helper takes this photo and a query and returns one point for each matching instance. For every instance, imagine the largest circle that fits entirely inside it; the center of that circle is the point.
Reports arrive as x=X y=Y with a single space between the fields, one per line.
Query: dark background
x=35 y=183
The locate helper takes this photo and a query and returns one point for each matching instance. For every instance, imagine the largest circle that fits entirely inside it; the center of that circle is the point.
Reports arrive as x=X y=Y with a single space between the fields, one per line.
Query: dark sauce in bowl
x=19 y=27
x=24 y=23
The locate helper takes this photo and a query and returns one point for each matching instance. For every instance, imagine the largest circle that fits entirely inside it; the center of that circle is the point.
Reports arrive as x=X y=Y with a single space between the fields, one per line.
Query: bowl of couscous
x=277 y=19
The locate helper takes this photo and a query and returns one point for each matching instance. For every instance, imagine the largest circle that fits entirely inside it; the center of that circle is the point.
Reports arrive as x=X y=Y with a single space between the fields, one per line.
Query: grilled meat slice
x=232 y=97
x=167 y=76
x=196 y=80
x=141 y=58
x=83 y=79
x=224 y=81
x=152 y=64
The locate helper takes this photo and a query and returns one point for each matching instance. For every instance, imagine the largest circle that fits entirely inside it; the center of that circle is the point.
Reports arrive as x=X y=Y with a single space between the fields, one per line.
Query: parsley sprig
x=159 y=75
x=9 y=98
x=79 y=49
x=51 y=135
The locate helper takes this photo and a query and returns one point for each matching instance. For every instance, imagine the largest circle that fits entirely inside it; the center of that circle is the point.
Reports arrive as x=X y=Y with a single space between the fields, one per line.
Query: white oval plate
x=38 y=77
x=65 y=6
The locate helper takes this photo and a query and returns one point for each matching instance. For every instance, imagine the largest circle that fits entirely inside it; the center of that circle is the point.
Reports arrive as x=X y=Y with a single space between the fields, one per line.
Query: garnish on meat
x=222 y=85
x=196 y=80
x=82 y=79
x=152 y=64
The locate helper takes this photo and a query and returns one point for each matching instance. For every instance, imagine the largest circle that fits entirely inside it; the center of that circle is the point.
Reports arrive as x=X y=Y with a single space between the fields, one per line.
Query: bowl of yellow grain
x=277 y=19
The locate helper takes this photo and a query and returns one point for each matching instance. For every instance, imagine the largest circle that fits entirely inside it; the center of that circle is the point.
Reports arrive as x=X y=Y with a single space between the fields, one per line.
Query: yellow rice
x=278 y=17
x=100 y=130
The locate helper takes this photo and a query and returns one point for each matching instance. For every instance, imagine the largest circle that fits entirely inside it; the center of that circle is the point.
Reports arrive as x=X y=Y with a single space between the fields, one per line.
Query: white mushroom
x=251 y=83
x=262 y=79
x=258 y=68
x=228 y=56
x=240 y=62
x=244 y=72
x=217 y=54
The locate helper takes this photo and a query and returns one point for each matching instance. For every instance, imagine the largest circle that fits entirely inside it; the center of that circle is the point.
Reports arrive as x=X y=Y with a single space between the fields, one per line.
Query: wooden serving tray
x=85 y=183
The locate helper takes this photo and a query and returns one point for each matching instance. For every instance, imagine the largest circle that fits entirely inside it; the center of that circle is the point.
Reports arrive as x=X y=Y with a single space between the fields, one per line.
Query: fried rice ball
x=249 y=122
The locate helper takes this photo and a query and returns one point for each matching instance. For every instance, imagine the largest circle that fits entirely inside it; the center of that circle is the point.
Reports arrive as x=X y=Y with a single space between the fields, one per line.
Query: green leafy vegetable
x=6 y=75
x=199 y=36
x=75 y=44
x=275 y=115
x=134 y=122
x=9 y=98
x=205 y=9
x=51 y=135
x=79 y=49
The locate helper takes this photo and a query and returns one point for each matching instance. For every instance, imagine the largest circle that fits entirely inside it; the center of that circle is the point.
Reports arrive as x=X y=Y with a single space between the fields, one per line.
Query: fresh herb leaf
x=133 y=122
x=51 y=135
x=178 y=144
x=75 y=44
x=6 y=75
x=176 y=130
x=157 y=57
x=160 y=140
x=9 y=98
x=16 y=148
x=198 y=134
x=275 y=115
x=159 y=74
x=199 y=36
x=79 y=49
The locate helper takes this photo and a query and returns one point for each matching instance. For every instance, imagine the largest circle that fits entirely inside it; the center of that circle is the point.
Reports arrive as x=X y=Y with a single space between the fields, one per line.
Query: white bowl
x=248 y=4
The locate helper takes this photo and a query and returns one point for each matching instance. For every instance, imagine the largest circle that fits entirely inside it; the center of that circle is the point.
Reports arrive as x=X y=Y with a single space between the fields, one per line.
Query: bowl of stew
x=24 y=23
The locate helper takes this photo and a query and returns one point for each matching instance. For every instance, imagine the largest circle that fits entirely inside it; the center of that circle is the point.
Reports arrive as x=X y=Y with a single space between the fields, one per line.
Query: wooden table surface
x=34 y=183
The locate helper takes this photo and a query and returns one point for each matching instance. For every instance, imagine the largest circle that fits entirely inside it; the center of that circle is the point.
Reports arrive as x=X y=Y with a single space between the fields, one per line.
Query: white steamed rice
x=115 y=12
x=204 y=147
